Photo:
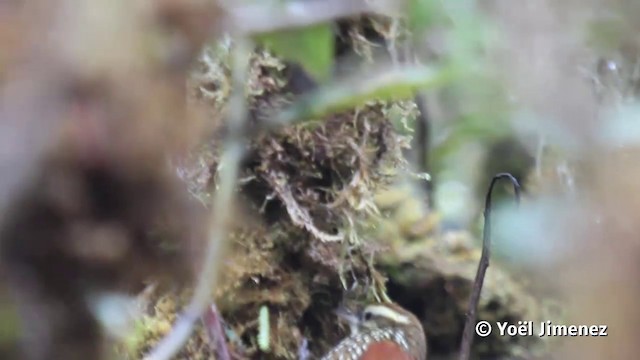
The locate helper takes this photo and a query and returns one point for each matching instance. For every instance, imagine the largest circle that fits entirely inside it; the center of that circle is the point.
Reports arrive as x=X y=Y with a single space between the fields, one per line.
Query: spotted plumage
x=382 y=332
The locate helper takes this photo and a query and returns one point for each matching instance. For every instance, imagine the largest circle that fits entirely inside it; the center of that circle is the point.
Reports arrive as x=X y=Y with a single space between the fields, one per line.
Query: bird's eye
x=367 y=316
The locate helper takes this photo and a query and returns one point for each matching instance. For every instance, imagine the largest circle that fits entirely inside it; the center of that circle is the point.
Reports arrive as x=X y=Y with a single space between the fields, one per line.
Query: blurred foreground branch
x=222 y=212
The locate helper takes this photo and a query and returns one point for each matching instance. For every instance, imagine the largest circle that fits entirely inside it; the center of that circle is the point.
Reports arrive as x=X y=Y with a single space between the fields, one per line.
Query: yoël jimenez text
x=548 y=328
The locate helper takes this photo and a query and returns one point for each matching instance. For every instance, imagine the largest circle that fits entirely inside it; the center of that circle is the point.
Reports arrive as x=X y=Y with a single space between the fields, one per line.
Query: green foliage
x=423 y=13
x=607 y=34
x=392 y=84
x=311 y=46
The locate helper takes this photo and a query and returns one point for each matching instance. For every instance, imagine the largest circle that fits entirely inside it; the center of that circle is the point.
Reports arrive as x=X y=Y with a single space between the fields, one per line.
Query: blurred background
x=279 y=157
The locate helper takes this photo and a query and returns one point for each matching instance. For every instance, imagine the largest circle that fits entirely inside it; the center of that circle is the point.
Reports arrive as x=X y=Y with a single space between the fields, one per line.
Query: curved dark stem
x=469 y=326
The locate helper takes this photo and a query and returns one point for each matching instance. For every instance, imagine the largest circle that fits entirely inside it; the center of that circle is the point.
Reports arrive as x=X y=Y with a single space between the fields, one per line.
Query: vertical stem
x=469 y=326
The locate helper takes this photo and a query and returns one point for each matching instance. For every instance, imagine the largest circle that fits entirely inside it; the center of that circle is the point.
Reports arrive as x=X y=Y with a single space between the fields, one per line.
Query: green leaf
x=311 y=47
x=390 y=84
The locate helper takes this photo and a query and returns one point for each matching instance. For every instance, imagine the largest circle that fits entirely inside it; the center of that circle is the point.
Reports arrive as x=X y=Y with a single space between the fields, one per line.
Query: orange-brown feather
x=385 y=350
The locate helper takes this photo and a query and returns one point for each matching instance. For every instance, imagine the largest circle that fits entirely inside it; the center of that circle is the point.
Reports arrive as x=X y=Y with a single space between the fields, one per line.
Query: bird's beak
x=349 y=317
x=345 y=314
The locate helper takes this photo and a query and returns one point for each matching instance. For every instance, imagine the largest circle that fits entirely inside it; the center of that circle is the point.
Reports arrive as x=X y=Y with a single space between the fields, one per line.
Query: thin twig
x=234 y=148
x=467 y=334
x=213 y=324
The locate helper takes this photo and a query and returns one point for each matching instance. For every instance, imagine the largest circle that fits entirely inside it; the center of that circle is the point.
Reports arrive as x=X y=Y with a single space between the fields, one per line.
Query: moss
x=432 y=275
x=329 y=205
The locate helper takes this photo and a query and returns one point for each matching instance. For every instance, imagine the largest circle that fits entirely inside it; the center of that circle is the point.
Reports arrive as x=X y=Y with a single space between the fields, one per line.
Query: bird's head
x=376 y=316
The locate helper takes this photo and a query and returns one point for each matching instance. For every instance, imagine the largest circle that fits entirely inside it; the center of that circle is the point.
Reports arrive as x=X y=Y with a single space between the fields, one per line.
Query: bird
x=380 y=331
